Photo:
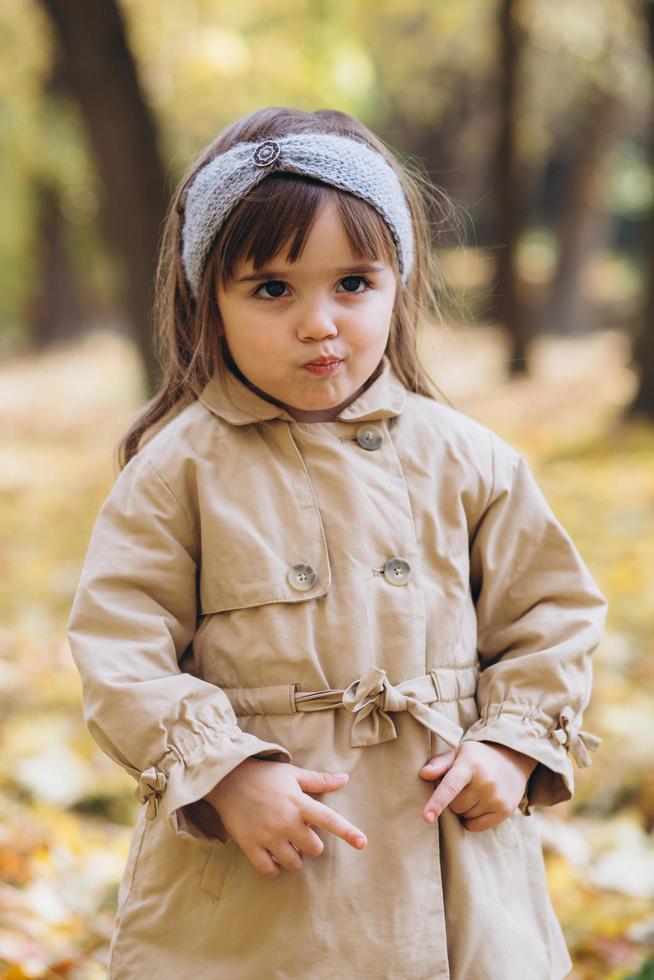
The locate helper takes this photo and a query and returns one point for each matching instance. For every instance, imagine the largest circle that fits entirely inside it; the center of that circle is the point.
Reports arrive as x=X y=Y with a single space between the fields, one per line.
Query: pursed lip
x=323 y=360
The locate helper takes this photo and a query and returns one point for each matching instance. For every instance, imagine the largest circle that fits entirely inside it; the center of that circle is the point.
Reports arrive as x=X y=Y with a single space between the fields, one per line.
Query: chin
x=329 y=402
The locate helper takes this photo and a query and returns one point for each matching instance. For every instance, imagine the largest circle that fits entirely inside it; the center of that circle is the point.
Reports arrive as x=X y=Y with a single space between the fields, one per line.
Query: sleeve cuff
x=531 y=732
x=174 y=788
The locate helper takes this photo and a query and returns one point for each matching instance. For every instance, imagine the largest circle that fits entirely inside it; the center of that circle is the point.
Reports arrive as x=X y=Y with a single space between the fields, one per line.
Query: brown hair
x=189 y=339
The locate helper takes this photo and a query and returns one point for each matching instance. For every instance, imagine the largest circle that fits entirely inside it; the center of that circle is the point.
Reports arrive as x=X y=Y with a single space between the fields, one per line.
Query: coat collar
x=236 y=403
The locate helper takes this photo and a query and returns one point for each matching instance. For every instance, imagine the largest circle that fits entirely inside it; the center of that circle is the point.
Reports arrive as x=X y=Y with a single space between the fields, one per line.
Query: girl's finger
x=309 y=843
x=456 y=779
x=318 y=781
x=438 y=764
x=468 y=802
x=263 y=861
x=289 y=856
x=323 y=816
x=482 y=822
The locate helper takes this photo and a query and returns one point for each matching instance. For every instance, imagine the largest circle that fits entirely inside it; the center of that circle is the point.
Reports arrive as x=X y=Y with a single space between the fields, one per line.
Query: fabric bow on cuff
x=152 y=783
x=574 y=739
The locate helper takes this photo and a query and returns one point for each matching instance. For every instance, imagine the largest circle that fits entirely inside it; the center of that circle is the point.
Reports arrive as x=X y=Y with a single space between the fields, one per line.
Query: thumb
x=318 y=781
x=438 y=764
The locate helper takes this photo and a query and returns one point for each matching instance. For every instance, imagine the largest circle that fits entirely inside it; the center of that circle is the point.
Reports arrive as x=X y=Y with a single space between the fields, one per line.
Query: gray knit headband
x=337 y=160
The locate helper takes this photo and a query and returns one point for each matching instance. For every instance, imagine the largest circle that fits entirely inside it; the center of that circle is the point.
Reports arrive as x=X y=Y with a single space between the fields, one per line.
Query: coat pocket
x=245 y=571
x=263 y=539
x=221 y=861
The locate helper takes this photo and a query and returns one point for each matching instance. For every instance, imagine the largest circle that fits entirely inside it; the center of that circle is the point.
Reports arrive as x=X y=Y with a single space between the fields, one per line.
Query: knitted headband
x=337 y=160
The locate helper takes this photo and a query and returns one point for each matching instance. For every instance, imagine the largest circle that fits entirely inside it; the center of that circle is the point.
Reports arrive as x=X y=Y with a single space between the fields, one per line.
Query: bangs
x=281 y=211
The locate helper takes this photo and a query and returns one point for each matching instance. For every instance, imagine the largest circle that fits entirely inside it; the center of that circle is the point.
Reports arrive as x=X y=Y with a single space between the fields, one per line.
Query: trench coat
x=355 y=595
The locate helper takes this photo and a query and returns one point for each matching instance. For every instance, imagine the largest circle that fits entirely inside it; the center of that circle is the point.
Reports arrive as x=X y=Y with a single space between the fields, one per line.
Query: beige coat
x=353 y=595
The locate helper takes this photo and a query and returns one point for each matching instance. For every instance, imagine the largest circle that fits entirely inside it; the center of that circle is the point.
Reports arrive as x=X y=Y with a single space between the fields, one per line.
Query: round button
x=302 y=576
x=369 y=436
x=266 y=153
x=397 y=571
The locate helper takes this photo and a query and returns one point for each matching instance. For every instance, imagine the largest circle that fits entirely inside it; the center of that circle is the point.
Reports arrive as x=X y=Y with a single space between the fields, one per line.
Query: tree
x=122 y=132
x=508 y=198
x=579 y=221
x=643 y=351
x=55 y=308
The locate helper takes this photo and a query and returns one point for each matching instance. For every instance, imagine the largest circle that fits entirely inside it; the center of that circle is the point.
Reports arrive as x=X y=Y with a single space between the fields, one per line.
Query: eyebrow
x=278 y=274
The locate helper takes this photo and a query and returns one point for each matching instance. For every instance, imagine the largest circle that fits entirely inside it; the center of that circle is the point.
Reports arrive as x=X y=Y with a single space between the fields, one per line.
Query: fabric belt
x=370 y=698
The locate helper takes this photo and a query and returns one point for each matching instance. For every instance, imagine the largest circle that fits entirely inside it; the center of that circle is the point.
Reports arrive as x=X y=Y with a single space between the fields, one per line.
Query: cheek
x=382 y=303
x=263 y=350
x=238 y=326
x=373 y=320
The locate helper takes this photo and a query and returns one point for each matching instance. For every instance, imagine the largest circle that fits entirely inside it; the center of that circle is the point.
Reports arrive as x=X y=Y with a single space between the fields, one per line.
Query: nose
x=316 y=320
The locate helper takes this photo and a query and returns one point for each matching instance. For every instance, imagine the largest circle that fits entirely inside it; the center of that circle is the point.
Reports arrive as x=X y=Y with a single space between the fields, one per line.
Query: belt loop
x=432 y=674
x=292 y=688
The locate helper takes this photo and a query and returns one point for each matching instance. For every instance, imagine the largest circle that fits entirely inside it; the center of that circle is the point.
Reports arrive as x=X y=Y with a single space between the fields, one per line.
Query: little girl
x=328 y=622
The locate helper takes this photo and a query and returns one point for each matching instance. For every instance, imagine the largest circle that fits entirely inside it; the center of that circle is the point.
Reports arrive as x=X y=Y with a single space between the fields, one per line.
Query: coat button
x=397 y=571
x=302 y=577
x=369 y=436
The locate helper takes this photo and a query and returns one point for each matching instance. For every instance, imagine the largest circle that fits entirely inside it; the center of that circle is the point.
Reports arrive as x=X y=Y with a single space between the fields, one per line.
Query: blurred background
x=537 y=118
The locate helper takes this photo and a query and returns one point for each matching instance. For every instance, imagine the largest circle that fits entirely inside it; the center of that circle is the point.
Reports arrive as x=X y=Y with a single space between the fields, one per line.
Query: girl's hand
x=266 y=808
x=483 y=781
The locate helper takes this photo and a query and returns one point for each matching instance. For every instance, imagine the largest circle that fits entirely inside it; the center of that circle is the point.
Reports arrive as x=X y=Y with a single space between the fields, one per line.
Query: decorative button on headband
x=266 y=153
x=336 y=160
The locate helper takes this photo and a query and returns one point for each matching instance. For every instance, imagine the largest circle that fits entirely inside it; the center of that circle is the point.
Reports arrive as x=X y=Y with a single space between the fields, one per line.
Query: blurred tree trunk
x=508 y=307
x=55 y=309
x=643 y=351
x=579 y=223
x=437 y=145
x=122 y=132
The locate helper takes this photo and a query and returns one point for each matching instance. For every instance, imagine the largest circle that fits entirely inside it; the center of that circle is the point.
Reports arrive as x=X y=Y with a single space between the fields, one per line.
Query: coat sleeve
x=540 y=615
x=133 y=616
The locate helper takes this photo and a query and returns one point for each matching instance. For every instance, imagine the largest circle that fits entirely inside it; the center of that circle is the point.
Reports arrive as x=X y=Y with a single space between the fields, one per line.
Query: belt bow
x=370 y=698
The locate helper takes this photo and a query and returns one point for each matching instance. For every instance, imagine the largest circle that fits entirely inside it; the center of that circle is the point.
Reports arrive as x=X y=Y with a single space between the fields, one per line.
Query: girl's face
x=327 y=304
